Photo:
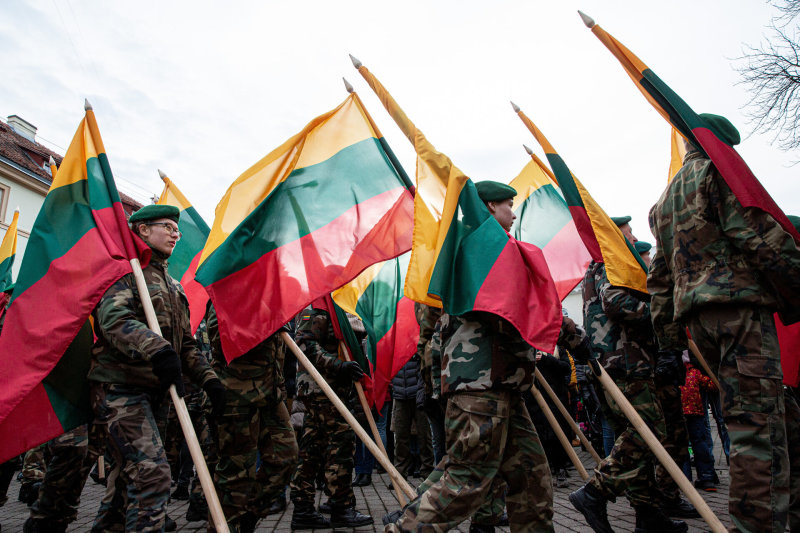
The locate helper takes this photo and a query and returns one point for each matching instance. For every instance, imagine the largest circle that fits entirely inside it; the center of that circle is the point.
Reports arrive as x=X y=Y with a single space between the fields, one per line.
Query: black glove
x=167 y=368
x=216 y=393
x=667 y=366
x=351 y=370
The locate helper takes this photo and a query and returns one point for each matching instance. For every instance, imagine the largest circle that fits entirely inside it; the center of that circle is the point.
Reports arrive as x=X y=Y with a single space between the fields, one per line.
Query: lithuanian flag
x=543 y=219
x=186 y=255
x=302 y=222
x=376 y=297
x=462 y=260
x=79 y=245
x=600 y=235
x=729 y=163
x=8 y=251
x=677 y=151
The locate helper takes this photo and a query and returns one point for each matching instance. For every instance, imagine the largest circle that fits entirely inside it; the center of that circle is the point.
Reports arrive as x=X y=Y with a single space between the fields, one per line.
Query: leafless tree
x=772 y=73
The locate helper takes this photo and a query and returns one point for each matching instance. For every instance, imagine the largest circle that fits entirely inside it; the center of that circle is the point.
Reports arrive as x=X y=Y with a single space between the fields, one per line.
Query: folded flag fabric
x=80 y=244
x=677 y=151
x=600 y=235
x=543 y=219
x=376 y=297
x=302 y=222
x=186 y=255
x=676 y=111
x=8 y=251
x=462 y=260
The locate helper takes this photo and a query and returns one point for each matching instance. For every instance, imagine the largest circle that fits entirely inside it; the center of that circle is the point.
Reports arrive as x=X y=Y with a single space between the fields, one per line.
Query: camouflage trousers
x=327 y=445
x=676 y=440
x=742 y=344
x=71 y=457
x=491 y=444
x=630 y=467
x=7 y=470
x=246 y=432
x=34 y=464
x=793 y=429
x=138 y=487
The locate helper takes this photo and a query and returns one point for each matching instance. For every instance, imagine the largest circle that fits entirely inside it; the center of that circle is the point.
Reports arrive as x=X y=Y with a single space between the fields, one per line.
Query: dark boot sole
x=590 y=519
x=340 y=525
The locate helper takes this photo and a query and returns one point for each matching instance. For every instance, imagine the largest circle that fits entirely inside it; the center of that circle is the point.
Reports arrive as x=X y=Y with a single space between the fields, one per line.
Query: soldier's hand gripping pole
x=397 y=479
x=658 y=450
x=368 y=413
x=217 y=516
x=559 y=432
x=567 y=416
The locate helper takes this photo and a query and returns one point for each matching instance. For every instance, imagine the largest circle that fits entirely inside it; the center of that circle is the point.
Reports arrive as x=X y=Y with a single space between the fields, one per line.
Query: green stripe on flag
x=548 y=214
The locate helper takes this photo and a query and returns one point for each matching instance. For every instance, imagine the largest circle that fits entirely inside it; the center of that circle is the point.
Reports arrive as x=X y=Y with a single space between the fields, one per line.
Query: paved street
x=377 y=500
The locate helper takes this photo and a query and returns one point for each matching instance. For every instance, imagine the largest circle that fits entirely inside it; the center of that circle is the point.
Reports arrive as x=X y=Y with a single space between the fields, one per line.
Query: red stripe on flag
x=395 y=349
x=195 y=293
x=32 y=344
x=31 y=423
x=281 y=282
x=567 y=257
x=585 y=230
x=526 y=303
x=789 y=341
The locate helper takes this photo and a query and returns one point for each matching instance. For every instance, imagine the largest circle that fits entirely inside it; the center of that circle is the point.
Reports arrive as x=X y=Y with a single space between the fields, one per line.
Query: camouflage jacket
x=436 y=356
x=482 y=351
x=255 y=378
x=427 y=316
x=315 y=337
x=125 y=344
x=712 y=251
x=617 y=322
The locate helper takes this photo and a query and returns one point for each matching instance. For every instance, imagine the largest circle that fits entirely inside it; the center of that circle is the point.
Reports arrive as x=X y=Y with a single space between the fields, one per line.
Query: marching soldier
x=132 y=367
x=723 y=270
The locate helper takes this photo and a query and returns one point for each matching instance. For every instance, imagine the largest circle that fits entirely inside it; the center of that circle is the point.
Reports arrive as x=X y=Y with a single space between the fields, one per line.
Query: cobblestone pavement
x=377 y=500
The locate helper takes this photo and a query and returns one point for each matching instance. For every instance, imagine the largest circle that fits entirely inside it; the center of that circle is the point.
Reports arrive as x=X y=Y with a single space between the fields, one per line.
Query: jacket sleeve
x=327 y=363
x=669 y=334
x=117 y=321
x=574 y=340
x=619 y=304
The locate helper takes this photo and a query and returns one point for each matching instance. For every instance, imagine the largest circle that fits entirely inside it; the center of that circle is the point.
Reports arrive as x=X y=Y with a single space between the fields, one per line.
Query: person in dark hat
x=643 y=249
x=624 y=225
x=132 y=367
x=723 y=270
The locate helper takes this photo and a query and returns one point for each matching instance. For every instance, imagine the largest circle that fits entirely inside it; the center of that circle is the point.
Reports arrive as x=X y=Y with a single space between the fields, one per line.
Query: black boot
x=362 y=480
x=592 y=505
x=306 y=517
x=29 y=492
x=169 y=524
x=197 y=510
x=278 y=505
x=348 y=517
x=43 y=525
x=248 y=522
x=181 y=493
x=480 y=528
x=679 y=508
x=325 y=507
x=392 y=517
x=650 y=519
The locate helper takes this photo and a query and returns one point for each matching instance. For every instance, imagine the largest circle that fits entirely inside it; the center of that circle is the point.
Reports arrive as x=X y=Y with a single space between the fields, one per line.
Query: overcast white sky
x=204 y=89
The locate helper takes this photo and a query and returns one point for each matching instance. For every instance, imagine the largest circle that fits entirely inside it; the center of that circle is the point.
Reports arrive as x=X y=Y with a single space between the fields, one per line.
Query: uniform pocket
x=759 y=384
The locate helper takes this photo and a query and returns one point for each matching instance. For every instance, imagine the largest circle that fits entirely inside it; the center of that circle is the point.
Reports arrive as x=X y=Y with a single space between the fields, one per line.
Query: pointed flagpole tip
x=589 y=21
x=161 y=174
x=530 y=152
x=515 y=107
x=356 y=62
x=86 y=105
x=52 y=161
x=16 y=210
x=347 y=85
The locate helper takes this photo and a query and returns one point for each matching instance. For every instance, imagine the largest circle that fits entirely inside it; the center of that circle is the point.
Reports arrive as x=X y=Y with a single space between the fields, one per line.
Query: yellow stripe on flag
x=347 y=297
x=88 y=145
x=9 y=246
x=534 y=176
x=320 y=140
x=173 y=196
x=677 y=153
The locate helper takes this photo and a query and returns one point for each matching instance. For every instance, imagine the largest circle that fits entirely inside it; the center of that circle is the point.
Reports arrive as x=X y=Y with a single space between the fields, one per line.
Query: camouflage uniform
x=124 y=390
x=72 y=455
x=617 y=322
x=722 y=270
x=327 y=442
x=255 y=423
x=486 y=366
x=676 y=440
x=34 y=464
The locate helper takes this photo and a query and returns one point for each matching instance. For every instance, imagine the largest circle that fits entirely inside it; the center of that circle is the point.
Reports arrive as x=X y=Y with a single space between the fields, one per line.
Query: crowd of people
x=461 y=417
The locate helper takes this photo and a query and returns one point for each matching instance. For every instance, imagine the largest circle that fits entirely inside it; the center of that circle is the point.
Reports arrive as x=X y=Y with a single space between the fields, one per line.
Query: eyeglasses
x=172 y=230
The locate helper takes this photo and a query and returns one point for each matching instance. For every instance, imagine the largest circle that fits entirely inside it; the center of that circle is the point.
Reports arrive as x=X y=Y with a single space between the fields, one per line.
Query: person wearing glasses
x=132 y=368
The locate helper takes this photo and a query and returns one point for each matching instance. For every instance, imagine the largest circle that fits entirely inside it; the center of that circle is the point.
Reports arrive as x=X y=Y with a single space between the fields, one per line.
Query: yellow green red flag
x=8 y=250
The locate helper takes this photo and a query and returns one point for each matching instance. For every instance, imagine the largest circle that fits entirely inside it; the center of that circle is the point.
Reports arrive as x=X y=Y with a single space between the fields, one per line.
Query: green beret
x=722 y=128
x=154 y=212
x=494 y=191
x=620 y=221
x=642 y=247
x=795 y=220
